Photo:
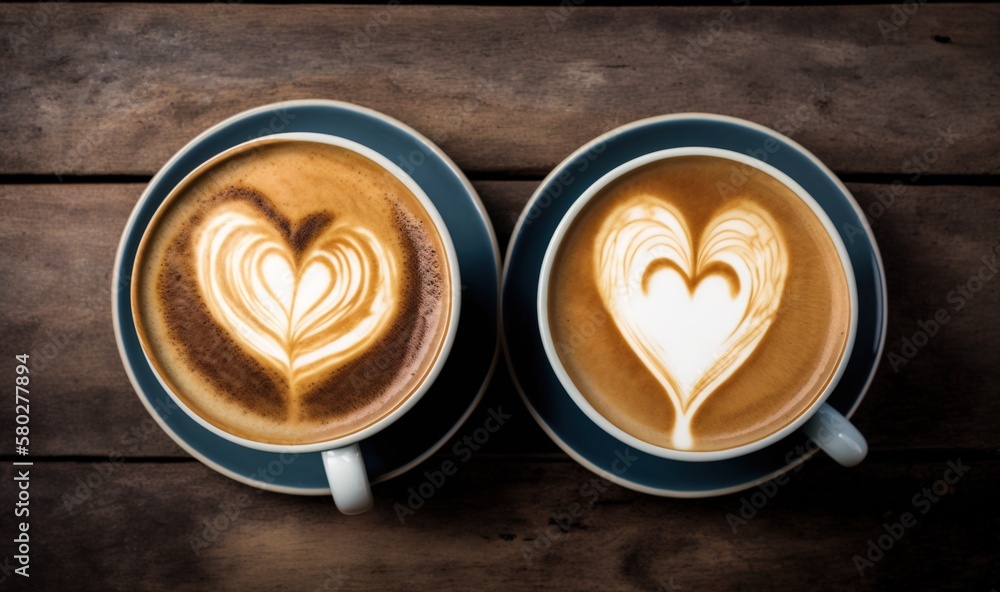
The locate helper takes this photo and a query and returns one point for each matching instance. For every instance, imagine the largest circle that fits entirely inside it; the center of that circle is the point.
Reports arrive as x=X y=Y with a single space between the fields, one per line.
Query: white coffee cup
x=342 y=460
x=827 y=427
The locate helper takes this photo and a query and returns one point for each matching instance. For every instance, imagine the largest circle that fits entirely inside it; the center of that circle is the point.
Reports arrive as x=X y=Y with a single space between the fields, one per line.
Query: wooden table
x=903 y=102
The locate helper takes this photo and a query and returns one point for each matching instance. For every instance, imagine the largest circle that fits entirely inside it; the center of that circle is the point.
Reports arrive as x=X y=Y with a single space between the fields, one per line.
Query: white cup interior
x=564 y=377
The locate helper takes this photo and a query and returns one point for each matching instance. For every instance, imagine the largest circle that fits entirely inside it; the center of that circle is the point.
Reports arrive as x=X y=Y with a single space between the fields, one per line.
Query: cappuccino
x=292 y=292
x=715 y=304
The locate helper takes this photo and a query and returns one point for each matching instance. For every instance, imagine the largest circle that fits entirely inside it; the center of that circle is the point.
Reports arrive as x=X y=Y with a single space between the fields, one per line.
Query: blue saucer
x=542 y=392
x=442 y=410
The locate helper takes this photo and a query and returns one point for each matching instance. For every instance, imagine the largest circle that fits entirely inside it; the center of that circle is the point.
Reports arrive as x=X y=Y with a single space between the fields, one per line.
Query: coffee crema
x=293 y=292
x=695 y=313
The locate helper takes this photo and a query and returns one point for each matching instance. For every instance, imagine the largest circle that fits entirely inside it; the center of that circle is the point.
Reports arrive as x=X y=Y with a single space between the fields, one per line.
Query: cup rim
x=440 y=227
x=573 y=391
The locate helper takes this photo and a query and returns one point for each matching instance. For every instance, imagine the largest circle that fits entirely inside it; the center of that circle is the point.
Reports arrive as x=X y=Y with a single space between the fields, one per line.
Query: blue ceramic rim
x=385 y=129
x=713 y=131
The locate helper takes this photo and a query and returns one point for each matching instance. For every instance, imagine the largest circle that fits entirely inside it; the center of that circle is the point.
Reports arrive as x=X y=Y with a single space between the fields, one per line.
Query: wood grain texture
x=499 y=525
x=116 y=89
x=57 y=246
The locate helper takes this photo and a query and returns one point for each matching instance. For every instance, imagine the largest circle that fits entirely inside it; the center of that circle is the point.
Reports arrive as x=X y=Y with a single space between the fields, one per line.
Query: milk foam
x=304 y=313
x=692 y=316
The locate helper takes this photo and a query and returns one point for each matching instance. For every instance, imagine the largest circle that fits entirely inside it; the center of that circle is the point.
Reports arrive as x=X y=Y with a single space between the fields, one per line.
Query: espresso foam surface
x=294 y=293
x=699 y=304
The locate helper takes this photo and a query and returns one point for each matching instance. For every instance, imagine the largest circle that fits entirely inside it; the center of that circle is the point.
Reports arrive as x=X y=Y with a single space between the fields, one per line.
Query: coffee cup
x=698 y=305
x=298 y=293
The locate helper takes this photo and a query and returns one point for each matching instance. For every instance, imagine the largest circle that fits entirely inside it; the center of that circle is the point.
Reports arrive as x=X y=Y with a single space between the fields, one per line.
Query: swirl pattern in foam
x=304 y=312
x=693 y=317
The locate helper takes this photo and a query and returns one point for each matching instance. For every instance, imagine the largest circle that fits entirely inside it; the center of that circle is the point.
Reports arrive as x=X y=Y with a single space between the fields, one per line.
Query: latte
x=699 y=304
x=293 y=292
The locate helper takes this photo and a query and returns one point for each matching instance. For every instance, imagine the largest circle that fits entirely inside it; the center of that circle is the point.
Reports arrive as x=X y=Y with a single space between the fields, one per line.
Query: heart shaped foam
x=301 y=302
x=692 y=313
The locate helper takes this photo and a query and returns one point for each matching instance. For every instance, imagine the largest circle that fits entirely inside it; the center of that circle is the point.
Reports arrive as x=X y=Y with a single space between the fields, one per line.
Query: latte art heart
x=693 y=313
x=301 y=308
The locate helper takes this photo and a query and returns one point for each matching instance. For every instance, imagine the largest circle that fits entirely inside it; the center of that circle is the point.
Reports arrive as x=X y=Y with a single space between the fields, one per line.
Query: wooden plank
x=933 y=240
x=57 y=249
x=116 y=89
x=57 y=246
x=500 y=525
x=936 y=243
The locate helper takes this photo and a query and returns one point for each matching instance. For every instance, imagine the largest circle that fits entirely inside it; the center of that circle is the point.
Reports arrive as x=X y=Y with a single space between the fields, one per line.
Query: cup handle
x=345 y=470
x=837 y=436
